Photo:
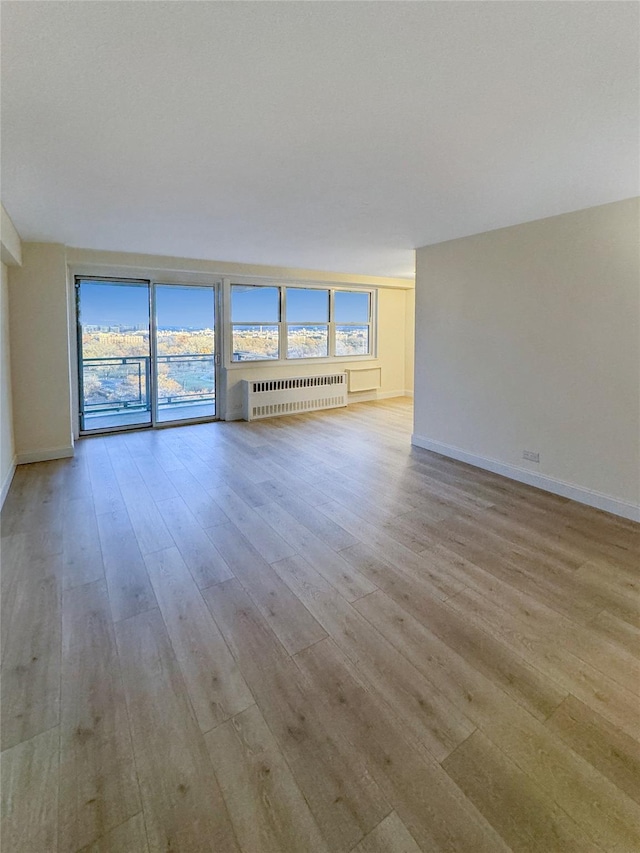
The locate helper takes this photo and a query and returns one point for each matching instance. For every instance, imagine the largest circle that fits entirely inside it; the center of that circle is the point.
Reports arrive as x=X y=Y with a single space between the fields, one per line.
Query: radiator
x=266 y=398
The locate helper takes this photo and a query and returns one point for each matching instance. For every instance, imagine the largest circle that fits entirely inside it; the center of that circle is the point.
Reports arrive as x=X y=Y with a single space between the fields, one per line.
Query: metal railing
x=123 y=383
x=186 y=370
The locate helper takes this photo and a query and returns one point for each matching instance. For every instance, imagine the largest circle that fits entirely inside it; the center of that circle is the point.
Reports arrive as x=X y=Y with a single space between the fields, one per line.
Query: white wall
x=174 y=269
x=7 y=448
x=409 y=340
x=528 y=338
x=40 y=353
x=11 y=245
x=11 y=253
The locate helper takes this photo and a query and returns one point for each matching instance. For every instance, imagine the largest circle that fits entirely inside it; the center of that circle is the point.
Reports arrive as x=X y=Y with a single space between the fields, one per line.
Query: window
x=352 y=318
x=255 y=317
x=307 y=314
x=277 y=322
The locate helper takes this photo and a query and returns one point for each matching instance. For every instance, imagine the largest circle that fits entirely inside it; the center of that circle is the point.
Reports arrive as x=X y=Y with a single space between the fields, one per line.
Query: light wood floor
x=302 y=635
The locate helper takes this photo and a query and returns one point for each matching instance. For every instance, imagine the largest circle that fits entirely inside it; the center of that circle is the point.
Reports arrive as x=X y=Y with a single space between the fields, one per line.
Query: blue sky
x=260 y=305
x=103 y=304
x=310 y=306
x=254 y=304
x=351 y=307
x=186 y=307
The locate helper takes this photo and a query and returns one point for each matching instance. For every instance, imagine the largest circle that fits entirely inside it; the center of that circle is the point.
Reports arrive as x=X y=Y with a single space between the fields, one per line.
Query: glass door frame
x=151 y=283
x=156 y=423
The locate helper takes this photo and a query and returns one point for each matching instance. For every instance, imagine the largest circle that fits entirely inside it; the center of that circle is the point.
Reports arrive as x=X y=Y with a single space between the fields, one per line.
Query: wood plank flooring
x=304 y=636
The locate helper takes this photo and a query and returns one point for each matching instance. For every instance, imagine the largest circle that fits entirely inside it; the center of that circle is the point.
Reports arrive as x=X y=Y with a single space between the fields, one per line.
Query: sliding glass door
x=146 y=353
x=185 y=353
x=114 y=342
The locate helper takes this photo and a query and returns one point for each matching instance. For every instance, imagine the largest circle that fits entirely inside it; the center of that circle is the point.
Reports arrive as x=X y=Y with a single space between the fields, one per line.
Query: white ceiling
x=335 y=136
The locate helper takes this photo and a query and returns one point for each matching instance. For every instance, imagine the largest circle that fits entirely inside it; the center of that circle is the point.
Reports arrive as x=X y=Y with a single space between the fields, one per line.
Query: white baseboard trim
x=368 y=396
x=531 y=478
x=45 y=455
x=6 y=485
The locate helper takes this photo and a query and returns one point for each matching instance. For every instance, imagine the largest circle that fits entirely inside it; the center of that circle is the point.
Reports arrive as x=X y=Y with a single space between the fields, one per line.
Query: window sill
x=292 y=362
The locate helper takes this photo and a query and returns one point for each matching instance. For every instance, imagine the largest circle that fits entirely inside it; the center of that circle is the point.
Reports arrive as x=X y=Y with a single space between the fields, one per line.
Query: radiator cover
x=267 y=398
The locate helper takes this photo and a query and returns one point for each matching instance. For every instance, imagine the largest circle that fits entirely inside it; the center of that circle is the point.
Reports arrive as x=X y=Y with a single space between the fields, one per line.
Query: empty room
x=320 y=427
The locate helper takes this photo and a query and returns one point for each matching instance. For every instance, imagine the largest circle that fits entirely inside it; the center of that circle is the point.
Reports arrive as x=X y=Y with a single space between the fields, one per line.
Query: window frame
x=283 y=324
x=368 y=324
x=286 y=323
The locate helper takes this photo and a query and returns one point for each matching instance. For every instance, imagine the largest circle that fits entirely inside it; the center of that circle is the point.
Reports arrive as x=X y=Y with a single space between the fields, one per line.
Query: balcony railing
x=123 y=383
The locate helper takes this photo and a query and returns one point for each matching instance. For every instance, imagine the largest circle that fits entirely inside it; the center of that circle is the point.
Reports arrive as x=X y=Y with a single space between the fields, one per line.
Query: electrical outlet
x=530 y=456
